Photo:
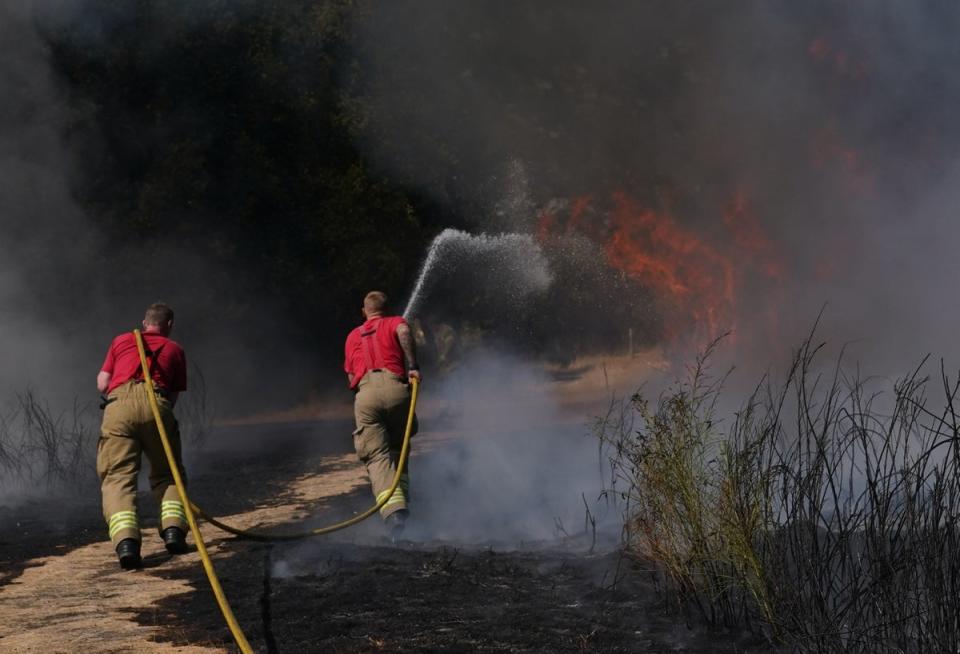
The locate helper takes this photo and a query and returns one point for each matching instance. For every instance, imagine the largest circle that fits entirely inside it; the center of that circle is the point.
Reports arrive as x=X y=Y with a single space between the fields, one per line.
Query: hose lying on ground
x=190 y=508
x=319 y=531
x=178 y=480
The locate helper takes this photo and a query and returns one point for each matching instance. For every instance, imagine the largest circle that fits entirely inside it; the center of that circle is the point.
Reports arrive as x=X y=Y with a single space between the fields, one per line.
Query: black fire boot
x=128 y=551
x=174 y=540
x=395 y=523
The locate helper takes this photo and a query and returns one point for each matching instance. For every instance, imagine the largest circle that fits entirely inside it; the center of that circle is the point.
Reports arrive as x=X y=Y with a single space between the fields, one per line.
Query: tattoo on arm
x=408 y=345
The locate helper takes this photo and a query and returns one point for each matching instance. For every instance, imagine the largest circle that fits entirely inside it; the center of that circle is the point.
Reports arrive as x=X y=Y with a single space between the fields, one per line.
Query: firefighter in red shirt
x=380 y=358
x=129 y=429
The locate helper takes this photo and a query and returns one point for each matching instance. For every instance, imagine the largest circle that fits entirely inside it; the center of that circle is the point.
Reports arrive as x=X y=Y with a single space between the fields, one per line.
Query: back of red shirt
x=374 y=345
x=168 y=362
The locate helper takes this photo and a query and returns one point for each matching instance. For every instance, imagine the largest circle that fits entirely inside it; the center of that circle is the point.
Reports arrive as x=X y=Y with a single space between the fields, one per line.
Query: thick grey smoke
x=48 y=255
x=47 y=245
x=509 y=465
x=835 y=120
x=65 y=290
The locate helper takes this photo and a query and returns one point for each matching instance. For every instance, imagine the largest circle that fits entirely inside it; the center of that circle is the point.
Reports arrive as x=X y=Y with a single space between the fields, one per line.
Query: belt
x=399 y=378
x=159 y=391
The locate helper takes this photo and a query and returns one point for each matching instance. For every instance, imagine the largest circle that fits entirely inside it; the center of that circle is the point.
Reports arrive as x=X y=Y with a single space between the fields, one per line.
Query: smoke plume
x=804 y=151
x=47 y=245
x=67 y=287
x=509 y=465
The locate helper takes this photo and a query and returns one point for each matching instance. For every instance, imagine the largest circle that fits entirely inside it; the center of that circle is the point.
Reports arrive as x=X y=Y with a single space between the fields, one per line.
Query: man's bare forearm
x=408 y=345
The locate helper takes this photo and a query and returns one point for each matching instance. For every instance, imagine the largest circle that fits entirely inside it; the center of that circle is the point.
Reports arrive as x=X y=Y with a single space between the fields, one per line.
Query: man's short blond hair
x=375 y=301
x=158 y=313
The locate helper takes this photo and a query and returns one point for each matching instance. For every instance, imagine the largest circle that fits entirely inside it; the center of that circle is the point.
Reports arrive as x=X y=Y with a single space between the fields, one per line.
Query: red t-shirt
x=168 y=363
x=374 y=345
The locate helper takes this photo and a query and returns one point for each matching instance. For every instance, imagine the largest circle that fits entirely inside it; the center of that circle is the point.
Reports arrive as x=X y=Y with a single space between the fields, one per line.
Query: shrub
x=825 y=515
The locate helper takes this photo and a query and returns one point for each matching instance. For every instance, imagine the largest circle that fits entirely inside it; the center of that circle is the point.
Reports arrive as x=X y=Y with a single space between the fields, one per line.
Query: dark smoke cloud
x=837 y=119
x=67 y=287
x=48 y=249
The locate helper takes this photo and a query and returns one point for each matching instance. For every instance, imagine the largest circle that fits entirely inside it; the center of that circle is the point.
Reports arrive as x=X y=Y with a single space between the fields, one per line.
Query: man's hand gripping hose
x=191 y=508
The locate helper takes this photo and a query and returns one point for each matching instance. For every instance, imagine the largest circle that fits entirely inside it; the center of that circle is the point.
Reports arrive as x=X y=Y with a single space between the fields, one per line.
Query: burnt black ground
x=356 y=591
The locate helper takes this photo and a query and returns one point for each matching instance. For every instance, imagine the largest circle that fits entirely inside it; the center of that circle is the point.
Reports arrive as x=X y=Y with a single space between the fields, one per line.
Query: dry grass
x=824 y=516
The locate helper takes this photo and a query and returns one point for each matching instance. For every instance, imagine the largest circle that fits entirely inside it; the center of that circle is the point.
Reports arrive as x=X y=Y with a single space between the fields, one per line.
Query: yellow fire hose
x=319 y=531
x=190 y=508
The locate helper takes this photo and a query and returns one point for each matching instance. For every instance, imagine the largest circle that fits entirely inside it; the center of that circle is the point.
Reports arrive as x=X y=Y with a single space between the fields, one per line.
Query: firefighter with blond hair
x=380 y=360
x=129 y=430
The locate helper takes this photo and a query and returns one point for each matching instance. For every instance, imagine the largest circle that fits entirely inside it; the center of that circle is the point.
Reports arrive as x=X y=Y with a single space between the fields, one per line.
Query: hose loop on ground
x=190 y=508
x=360 y=517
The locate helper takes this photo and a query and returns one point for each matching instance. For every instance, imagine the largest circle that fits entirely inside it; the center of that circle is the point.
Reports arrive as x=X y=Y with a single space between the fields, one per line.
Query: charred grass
x=44 y=446
x=368 y=598
x=40 y=445
x=824 y=516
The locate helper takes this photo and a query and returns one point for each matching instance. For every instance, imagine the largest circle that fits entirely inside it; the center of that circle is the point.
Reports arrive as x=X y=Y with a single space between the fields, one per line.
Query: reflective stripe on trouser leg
x=398 y=500
x=124 y=524
x=172 y=515
x=118 y=463
x=382 y=469
x=380 y=408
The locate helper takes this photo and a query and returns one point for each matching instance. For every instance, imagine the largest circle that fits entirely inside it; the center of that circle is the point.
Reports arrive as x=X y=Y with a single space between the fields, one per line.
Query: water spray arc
x=516 y=255
x=425 y=270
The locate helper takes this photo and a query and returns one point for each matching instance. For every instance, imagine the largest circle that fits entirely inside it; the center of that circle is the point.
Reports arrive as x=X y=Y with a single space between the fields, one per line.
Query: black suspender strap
x=152 y=356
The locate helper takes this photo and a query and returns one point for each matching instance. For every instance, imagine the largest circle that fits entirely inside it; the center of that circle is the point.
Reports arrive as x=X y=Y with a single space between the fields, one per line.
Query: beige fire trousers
x=128 y=430
x=380 y=409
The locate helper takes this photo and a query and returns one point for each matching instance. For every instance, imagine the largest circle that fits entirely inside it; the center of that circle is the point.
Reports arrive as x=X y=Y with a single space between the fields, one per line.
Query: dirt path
x=61 y=590
x=77 y=599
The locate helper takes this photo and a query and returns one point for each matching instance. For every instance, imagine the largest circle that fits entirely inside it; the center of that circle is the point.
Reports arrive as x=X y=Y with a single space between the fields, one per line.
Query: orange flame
x=652 y=248
x=695 y=278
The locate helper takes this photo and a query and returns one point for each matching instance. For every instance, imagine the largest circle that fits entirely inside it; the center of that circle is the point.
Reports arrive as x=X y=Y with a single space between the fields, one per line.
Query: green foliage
x=682 y=488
